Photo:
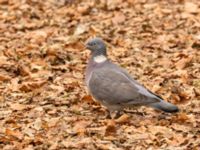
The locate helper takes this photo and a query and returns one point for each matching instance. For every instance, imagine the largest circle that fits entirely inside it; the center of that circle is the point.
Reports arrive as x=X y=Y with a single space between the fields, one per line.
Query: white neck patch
x=100 y=58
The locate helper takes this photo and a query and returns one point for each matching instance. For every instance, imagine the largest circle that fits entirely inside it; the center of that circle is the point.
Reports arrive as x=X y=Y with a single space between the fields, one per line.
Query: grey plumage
x=113 y=87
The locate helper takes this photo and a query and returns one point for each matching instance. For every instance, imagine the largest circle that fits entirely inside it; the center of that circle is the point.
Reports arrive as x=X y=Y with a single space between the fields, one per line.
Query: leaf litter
x=43 y=99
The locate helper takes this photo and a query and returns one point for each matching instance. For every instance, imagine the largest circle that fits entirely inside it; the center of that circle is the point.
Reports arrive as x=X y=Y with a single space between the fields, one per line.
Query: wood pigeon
x=113 y=87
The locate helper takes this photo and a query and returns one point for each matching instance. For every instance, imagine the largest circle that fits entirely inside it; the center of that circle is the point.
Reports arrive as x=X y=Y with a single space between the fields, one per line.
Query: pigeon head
x=96 y=46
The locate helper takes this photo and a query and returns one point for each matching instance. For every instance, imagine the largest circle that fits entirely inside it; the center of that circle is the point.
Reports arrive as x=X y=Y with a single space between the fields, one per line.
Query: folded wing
x=114 y=86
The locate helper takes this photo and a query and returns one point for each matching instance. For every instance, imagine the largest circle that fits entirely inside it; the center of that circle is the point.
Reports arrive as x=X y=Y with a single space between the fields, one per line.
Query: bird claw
x=113 y=114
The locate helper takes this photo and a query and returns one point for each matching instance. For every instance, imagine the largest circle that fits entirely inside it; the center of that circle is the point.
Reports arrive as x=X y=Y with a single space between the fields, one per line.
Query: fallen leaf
x=181 y=117
x=177 y=140
x=80 y=127
x=17 y=106
x=167 y=132
x=118 y=18
x=110 y=128
x=37 y=124
x=197 y=91
x=30 y=86
x=191 y=7
x=83 y=9
x=123 y=119
x=24 y=70
x=88 y=99
x=181 y=127
x=53 y=121
x=29 y=132
x=182 y=63
x=14 y=133
x=80 y=29
x=37 y=36
x=4 y=77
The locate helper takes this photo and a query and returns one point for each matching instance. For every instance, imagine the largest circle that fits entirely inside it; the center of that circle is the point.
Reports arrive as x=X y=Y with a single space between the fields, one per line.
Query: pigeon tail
x=165 y=106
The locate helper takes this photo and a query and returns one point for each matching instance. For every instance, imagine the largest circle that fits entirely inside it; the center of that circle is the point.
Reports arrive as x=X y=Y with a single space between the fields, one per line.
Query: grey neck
x=99 y=52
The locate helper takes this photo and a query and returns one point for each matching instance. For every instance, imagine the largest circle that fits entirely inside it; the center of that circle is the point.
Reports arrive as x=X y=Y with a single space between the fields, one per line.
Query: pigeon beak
x=87 y=46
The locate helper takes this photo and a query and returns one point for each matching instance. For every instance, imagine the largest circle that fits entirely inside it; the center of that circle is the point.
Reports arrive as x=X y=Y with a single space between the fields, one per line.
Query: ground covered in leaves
x=43 y=100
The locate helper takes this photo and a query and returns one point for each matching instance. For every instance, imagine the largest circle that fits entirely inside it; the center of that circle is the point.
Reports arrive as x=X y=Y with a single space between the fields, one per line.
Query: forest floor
x=44 y=103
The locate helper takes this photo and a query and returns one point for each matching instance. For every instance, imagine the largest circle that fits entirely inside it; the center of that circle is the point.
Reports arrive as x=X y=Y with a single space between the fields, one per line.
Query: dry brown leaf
x=123 y=119
x=29 y=132
x=181 y=117
x=30 y=86
x=181 y=127
x=191 y=7
x=3 y=1
x=104 y=146
x=80 y=127
x=113 y=4
x=4 y=139
x=161 y=130
x=93 y=31
x=80 y=29
x=17 y=106
x=24 y=70
x=110 y=128
x=165 y=62
x=37 y=36
x=88 y=99
x=53 y=122
x=119 y=52
x=53 y=49
x=14 y=133
x=184 y=95
x=118 y=18
x=177 y=140
x=197 y=91
x=157 y=42
x=37 y=124
x=4 y=77
x=28 y=147
x=182 y=63
x=156 y=88
x=175 y=98
x=4 y=61
x=83 y=9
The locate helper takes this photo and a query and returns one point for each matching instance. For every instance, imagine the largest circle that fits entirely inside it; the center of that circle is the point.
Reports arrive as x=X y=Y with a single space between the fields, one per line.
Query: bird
x=113 y=87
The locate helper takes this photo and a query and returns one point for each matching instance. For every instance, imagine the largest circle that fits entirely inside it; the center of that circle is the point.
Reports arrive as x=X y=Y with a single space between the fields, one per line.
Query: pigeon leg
x=113 y=114
x=117 y=115
x=108 y=114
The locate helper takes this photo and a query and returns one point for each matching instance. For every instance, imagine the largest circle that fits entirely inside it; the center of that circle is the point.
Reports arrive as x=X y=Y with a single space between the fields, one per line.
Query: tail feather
x=165 y=106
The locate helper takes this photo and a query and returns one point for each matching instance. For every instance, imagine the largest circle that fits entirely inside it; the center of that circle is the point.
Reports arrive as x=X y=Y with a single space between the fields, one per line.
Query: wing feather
x=114 y=86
